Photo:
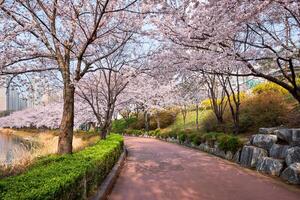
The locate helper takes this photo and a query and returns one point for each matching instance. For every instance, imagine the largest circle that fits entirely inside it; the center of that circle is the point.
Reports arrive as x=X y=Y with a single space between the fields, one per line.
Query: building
x=11 y=100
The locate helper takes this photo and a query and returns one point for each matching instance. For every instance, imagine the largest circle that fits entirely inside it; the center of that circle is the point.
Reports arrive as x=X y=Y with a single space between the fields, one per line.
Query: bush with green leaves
x=119 y=125
x=73 y=176
x=134 y=132
x=229 y=143
x=172 y=134
x=182 y=137
x=197 y=139
x=211 y=136
x=154 y=133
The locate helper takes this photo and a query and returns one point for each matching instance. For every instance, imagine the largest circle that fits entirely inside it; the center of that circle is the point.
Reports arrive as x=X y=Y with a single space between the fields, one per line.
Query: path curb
x=105 y=188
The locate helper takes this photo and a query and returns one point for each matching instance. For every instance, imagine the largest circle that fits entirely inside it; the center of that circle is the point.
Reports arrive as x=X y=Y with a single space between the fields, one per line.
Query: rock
x=216 y=145
x=293 y=155
x=228 y=155
x=204 y=147
x=284 y=134
x=267 y=130
x=201 y=146
x=219 y=152
x=292 y=136
x=292 y=174
x=270 y=165
x=250 y=155
x=279 y=151
x=263 y=141
x=295 y=137
x=236 y=157
x=212 y=151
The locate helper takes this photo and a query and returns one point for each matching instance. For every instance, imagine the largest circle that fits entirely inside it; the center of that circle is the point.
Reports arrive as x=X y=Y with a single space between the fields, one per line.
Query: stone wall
x=274 y=151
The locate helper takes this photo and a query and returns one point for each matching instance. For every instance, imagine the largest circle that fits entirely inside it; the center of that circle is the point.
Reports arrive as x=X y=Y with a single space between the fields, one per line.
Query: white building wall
x=2 y=99
x=11 y=100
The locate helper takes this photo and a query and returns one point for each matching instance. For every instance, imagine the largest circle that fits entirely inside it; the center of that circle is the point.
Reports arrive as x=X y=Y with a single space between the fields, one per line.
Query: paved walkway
x=157 y=170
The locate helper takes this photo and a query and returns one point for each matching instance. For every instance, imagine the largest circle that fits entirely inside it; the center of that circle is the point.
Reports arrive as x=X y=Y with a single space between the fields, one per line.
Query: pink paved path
x=158 y=170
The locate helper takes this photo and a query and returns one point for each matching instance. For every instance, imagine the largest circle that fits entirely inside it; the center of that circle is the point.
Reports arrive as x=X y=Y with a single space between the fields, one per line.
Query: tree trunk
x=296 y=95
x=137 y=112
x=93 y=127
x=158 y=120
x=197 y=116
x=146 y=121
x=237 y=121
x=103 y=133
x=184 y=118
x=67 y=122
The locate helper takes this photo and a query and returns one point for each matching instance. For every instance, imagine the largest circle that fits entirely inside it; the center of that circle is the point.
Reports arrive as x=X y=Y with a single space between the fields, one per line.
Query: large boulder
x=204 y=147
x=292 y=174
x=219 y=152
x=292 y=136
x=284 y=134
x=229 y=155
x=250 y=155
x=295 y=137
x=293 y=155
x=237 y=155
x=270 y=166
x=267 y=130
x=263 y=141
x=279 y=151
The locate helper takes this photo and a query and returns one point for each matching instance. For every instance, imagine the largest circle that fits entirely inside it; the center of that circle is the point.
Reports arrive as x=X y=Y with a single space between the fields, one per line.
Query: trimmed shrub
x=73 y=176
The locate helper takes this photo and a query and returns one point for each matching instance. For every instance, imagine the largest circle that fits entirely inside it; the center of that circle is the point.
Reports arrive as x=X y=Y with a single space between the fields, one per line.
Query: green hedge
x=73 y=176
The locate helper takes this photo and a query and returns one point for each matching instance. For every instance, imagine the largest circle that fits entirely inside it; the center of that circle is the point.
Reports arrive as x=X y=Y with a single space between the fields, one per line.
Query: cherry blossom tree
x=100 y=91
x=258 y=36
x=195 y=91
x=65 y=36
x=151 y=94
x=48 y=116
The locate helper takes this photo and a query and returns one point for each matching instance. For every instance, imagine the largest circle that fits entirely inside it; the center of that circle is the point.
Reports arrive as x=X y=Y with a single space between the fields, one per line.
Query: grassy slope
x=191 y=123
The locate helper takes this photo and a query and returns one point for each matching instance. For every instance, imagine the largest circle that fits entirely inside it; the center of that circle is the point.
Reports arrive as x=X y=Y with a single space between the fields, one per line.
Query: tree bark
x=158 y=120
x=184 y=113
x=103 y=133
x=67 y=123
x=146 y=121
x=197 y=116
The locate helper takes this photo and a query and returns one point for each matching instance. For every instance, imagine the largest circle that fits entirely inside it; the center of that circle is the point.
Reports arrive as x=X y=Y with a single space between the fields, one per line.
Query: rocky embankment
x=274 y=151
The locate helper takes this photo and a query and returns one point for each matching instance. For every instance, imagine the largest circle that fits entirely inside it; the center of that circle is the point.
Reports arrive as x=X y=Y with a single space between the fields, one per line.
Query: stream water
x=12 y=148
